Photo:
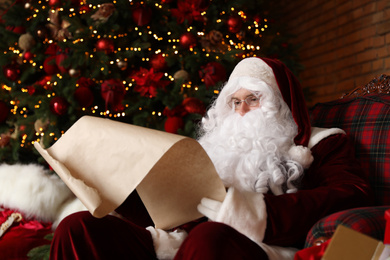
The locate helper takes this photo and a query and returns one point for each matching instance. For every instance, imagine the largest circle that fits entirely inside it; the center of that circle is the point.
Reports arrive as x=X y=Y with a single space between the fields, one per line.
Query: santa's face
x=244 y=101
x=249 y=144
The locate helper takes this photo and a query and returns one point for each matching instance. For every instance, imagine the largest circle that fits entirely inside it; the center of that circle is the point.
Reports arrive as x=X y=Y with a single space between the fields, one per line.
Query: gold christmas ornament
x=181 y=75
x=26 y=41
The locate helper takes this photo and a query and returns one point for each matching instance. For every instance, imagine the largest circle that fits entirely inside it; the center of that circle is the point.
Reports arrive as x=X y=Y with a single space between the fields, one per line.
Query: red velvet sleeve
x=334 y=182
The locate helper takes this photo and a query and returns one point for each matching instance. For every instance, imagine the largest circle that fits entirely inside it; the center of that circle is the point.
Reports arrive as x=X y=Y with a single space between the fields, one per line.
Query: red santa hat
x=292 y=94
x=275 y=74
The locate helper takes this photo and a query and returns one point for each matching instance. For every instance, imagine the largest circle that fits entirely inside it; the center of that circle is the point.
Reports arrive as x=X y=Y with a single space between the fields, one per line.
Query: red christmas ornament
x=31 y=90
x=234 y=24
x=59 y=61
x=212 y=73
x=142 y=15
x=84 y=96
x=187 y=40
x=11 y=72
x=173 y=124
x=85 y=82
x=4 y=111
x=50 y=66
x=113 y=92
x=16 y=29
x=174 y=120
x=4 y=139
x=194 y=106
x=257 y=18
x=106 y=45
x=54 y=3
x=158 y=63
x=84 y=9
x=59 y=106
x=28 y=55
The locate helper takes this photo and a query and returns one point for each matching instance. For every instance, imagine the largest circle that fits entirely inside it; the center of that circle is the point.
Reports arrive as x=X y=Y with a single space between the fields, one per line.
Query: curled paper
x=102 y=161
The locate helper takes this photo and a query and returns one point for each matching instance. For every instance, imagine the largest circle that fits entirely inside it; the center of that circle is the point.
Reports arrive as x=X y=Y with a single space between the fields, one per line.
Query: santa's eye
x=251 y=101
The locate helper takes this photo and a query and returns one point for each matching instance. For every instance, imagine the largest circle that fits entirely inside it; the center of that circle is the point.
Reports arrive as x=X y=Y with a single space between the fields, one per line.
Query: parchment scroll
x=102 y=161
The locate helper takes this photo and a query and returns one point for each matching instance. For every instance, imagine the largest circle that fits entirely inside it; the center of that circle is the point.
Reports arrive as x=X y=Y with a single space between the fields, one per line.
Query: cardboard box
x=348 y=244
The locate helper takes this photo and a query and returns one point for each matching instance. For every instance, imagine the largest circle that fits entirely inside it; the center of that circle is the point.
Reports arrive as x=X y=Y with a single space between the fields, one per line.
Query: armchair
x=364 y=114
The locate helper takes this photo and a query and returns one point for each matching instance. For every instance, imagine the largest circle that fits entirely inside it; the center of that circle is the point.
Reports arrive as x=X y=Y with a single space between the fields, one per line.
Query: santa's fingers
x=209 y=213
x=212 y=204
x=209 y=208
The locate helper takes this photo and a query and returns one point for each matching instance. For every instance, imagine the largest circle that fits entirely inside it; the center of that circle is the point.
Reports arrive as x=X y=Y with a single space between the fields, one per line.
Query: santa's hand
x=210 y=208
x=244 y=211
x=166 y=244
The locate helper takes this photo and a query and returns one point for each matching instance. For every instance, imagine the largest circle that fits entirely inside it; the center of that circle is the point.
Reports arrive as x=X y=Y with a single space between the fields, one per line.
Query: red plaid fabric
x=367 y=121
x=367 y=220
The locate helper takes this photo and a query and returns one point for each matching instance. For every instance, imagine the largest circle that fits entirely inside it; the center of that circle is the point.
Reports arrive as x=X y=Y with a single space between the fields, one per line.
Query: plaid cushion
x=368 y=220
x=367 y=121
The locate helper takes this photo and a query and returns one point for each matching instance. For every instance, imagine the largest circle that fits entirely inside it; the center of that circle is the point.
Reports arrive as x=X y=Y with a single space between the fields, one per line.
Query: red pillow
x=22 y=236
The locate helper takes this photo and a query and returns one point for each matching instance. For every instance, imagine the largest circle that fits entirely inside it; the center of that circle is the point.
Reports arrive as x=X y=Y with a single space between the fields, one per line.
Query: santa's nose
x=243 y=109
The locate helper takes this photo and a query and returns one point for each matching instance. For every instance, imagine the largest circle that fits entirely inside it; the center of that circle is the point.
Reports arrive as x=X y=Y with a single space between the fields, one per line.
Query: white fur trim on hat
x=302 y=155
x=254 y=67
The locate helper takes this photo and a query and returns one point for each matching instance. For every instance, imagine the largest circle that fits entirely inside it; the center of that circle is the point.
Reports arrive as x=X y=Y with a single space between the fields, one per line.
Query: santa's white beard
x=250 y=152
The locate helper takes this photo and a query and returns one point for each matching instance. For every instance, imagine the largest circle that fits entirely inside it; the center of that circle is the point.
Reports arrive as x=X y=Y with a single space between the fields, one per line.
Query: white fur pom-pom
x=301 y=155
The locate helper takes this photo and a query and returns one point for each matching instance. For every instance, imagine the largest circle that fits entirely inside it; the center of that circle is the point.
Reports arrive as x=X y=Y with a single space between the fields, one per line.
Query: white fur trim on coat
x=318 y=134
x=166 y=244
x=303 y=154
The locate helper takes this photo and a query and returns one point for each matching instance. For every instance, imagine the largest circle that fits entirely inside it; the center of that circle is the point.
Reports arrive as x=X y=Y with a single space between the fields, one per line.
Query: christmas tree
x=156 y=64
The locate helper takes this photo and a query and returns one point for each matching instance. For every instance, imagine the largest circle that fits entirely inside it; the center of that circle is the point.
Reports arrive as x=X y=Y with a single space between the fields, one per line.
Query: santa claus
x=281 y=174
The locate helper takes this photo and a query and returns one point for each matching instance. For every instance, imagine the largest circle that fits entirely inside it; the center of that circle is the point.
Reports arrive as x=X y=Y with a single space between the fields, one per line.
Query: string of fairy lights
x=257 y=27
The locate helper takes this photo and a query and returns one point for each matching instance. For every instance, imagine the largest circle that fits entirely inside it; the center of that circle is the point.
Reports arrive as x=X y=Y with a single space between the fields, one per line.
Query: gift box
x=386 y=240
x=347 y=243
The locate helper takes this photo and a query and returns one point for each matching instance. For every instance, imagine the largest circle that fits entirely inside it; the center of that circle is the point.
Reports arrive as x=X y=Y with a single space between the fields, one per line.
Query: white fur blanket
x=36 y=193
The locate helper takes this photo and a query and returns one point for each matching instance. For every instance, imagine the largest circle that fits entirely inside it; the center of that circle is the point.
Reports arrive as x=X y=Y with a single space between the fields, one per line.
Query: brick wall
x=344 y=44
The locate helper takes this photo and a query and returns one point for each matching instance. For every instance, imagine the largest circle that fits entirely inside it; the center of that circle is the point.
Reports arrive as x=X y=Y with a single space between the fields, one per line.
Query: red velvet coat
x=334 y=182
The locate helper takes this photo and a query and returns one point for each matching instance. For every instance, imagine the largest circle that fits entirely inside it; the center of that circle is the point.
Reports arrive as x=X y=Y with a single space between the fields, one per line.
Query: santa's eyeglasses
x=251 y=101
